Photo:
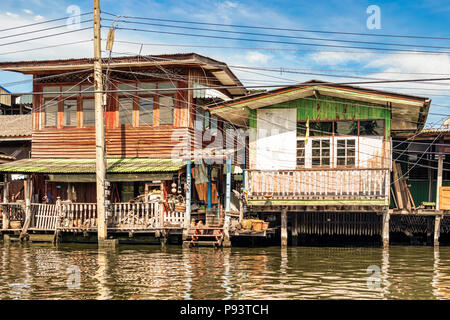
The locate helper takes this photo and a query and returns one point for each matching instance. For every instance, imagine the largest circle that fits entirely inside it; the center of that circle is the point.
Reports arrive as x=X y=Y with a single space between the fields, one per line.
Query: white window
x=125 y=111
x=166 y=106
x=70 y=113
x=345 y=152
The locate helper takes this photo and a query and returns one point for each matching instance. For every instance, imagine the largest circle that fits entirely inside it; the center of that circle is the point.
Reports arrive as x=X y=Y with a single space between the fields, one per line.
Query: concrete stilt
x=295 y=229
x=226 y=232
x=385 y=228
x=437 y=230
x=284 y=234
x=108 y=243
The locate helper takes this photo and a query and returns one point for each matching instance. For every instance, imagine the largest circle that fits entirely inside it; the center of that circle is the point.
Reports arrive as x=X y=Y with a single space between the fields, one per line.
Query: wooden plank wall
x=124 y=142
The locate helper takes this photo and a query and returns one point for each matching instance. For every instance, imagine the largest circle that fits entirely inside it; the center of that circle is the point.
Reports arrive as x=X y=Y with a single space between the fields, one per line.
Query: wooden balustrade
x=318 y=184
x=83 y=216
x=136 y=216
x=43 y=216
x=78 y=216
x=174 y=219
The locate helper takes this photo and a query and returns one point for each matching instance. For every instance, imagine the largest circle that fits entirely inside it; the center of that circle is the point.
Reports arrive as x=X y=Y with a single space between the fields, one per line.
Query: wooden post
x=5 y=213
x=28 y=190
x=187 y=214
x=228 y=187
x=437 y=230
x=284 y=227
x=294 y=230
x=226 y=232
x=439 y=180
x=146 y=192
x=99 y=127
x=430 y=182
x=385 y=228
x=209 y=188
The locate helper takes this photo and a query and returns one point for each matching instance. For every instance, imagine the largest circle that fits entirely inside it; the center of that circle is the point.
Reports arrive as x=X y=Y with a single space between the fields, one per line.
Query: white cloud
x=257 y=57
x=230 y=4
x=38 y=18
x=337 y=58
x=9 y=14
x=28 y=11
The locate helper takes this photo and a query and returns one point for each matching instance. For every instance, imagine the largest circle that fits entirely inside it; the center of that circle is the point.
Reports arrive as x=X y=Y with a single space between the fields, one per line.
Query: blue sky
x=426 y=18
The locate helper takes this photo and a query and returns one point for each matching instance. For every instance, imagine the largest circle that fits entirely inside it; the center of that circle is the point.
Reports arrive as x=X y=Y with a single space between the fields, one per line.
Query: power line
x=43 y=22
x=284 y=36
x=273 y=49
x=282 y=29
x=44 y=37
x=40 y=30
x=278 y=42
x=46 y=47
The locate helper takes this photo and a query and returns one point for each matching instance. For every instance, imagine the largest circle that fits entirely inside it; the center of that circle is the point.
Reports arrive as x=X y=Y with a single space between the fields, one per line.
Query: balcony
x=318 y=186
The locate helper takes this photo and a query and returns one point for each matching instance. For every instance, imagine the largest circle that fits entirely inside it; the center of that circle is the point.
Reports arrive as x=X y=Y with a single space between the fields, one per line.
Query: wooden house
x=322 y=147
x=153 y=118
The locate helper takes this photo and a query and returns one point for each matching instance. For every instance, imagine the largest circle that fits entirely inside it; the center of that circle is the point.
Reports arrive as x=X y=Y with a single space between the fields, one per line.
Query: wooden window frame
x=63 y=125
x=57 y=104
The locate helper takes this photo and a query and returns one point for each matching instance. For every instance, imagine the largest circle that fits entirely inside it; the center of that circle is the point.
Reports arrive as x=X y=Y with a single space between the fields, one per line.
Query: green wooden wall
x=330 y=108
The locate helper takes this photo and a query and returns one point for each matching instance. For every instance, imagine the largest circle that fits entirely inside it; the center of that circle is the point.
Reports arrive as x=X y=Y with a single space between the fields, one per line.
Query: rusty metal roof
x=87 y=166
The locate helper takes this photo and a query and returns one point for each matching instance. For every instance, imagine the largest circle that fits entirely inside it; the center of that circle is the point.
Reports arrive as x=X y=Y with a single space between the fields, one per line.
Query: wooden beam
x=439 y=180
x=284 y=227
x=294 y=229
x=385 y=228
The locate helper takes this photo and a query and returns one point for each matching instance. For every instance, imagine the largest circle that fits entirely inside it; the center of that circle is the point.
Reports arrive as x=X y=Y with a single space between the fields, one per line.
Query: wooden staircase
x=207 y=236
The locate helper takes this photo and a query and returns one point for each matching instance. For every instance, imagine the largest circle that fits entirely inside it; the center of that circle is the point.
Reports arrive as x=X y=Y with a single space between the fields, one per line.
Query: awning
x=86 y=166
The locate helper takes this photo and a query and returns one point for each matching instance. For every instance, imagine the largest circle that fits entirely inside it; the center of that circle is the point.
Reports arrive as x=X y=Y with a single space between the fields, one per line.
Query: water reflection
x=149 y=272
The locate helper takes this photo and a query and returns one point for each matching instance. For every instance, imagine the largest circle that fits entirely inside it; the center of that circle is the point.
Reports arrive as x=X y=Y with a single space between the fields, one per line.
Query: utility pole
x=99 y=128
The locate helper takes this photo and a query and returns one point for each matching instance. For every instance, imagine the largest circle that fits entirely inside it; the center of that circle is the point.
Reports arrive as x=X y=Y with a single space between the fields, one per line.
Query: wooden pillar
x=187 y=214
x=5 y=213
x=28 y=190
x=385 y=228
x=439 y=180
x=430 y=183
x=209 y=188
x=437 y=230
x=146 y=192
x=228 y=187
x=294 y=230
x=226 y=232
x=284 y=227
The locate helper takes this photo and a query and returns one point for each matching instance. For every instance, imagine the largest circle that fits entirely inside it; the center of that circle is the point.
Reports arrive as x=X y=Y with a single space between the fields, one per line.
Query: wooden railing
x=173 y=219
x=318 y=184
x=83 y=216
x=131 y=216
x=43 y=216
x=78 y=216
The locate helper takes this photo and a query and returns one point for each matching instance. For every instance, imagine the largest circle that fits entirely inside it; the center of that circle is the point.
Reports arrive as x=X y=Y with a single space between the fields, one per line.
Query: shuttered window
x=145 y=111
x=166 y=105
x=125 y=111
x=70 y=113
x=51 y=113
x=88 y=113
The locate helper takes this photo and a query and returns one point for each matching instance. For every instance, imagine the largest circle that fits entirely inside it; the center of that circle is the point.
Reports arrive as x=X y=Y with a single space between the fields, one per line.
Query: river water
x=30 y=271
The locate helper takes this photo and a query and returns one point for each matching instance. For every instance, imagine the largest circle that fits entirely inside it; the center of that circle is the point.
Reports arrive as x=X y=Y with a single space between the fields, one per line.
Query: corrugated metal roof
x=16 y=125
x=83 y=166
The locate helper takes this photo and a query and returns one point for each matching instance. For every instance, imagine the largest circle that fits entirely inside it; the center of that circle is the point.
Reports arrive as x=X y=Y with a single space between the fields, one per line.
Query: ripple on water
x=149 y=272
